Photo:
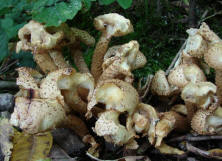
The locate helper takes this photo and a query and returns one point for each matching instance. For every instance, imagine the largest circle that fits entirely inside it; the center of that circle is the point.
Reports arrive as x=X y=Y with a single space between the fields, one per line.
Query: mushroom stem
x=44 y=61
x=214 y=121
x=191 y=109
x=170 y=121
x=218 y=81
x=99 y=52
x=58 y=59
x=79 y=61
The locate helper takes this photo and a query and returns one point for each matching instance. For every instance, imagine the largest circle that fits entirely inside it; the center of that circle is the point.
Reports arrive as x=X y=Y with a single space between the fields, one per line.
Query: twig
x=200 y=152
x=8 y=85
x=190 y=137
x=208 y=17
x=178 y=55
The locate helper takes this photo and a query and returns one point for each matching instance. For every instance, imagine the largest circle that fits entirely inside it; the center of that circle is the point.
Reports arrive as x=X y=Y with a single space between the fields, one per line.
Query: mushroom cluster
x=51 y=98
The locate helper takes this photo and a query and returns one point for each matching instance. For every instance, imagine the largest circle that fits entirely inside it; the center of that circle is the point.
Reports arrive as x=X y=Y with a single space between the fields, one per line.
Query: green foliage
x=125 y=4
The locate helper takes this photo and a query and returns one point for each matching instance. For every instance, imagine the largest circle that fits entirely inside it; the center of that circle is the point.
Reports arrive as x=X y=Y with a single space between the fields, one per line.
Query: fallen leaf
x=31 y=147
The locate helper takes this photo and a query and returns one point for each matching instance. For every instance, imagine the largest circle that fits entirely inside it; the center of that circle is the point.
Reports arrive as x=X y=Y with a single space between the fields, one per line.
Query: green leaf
x=25 y=59
x=4 y=45
x=125 y=3
x=106 y=2
x=55 y=12
x=87 y=4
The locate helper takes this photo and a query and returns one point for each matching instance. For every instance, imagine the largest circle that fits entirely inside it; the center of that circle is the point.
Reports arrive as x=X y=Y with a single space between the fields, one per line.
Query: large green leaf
x=55 y=12
x=106 y=2
x=125 y=3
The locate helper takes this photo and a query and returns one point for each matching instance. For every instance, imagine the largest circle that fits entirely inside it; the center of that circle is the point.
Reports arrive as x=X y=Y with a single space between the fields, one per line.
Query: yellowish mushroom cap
x=113 y=24
x=199 y=93
x=185 y=73
x=213 y=56
x=37 y=115
x=109 y=127
x=115 y=94
x=159 y=84
x=33 y=35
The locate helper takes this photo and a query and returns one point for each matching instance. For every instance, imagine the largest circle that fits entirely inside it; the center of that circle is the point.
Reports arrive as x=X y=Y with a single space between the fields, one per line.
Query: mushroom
x=185 y=73
x=145 y=119
x=170 y=121
x=160 y=85
x=110 y=25
x=207 y=122
x=115 y=94
x=208 y=34
x=196 y=46
x=198 y=95
x=33 y=37
x=109 y=127
x=58 y=59
x=213 y=59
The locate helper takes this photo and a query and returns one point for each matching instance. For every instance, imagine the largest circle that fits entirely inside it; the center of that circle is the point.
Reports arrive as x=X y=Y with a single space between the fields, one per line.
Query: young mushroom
x=199 y=95
x=207 y=122
x=108 y=126
x=110 y=25
x=121 y=65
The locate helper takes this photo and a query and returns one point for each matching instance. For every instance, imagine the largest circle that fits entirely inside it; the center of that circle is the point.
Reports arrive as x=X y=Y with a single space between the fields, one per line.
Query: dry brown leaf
x=31 y=147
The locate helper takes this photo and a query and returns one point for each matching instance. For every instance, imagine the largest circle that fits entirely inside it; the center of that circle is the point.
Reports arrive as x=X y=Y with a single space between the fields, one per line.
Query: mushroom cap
x=113 y=24
x=108 y=126
x=208 y=34
x=28 y=78
x=159 y=84
x=196 y=45
x=213 y=56
x=184 y=74
x=115 y=94
x=33 y=35
x=37 y=115
x=199 y=122
x=199 y=93
x=179 y=108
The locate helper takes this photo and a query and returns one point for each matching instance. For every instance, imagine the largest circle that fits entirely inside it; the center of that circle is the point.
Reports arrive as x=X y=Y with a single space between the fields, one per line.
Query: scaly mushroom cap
x=208 y=34
x=115 y=94
x=109 y=127
x=28 y=78
x=185 y=73
x=37 y=115
x=196 y=46
x=49 y=86
x=199 y=122
x=113 y=24
x=213 y=56
x=159 y=84
x=199 y=93
x=33 y=35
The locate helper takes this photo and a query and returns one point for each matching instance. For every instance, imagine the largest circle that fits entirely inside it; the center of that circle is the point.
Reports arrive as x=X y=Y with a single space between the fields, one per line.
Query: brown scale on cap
x=110 y=25
x=198 y=95
x=214 y=59
x=208 y=34
x=185 y=73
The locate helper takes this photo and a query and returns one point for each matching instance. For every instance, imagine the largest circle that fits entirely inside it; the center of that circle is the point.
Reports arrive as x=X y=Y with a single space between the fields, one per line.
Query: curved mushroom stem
x=166 y=149
x=79 y=61
x=218 y=80
x=44 y=61
x=191 y=109
x=98 y=55
x=170 y=121
x=58 y=59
